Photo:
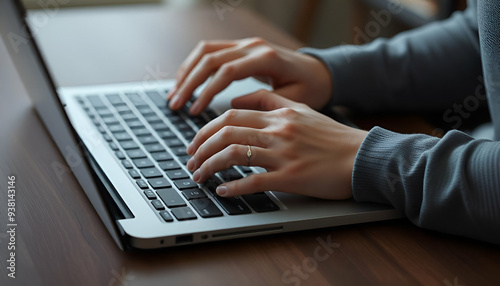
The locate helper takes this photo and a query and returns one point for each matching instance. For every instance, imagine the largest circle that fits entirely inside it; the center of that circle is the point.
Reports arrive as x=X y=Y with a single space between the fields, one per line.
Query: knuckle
x=226 y=69
x=269 y=53
x=256 y=41
x=207 y=60
x=229 y=116
x=203 y=45
x=233 y=151
x=226 y=132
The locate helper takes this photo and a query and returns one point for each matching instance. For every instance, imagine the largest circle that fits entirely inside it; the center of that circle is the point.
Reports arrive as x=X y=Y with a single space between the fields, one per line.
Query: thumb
x=263 y=100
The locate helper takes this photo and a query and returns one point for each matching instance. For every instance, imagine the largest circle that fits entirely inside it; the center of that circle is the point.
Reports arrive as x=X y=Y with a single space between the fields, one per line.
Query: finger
x=263 y=99
x=194 y=57
x=207 y=65
x=225 y=137
x=230 y=71
x=252 y=184
x=244 y=118
x=234 y=155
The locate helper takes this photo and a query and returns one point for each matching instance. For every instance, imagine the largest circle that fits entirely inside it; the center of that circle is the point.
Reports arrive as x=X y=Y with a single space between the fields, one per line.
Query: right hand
x=299 y=77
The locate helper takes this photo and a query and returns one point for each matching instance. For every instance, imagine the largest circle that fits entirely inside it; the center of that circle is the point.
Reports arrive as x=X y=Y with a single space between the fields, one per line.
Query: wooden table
x=61 y=240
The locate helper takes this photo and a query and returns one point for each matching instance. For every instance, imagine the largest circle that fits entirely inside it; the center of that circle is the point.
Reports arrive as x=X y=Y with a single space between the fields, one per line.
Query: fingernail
x=196 y=176
x=222 y=191
x=190 y=164
x=195 y=108
x=174 y=102
x=189 y=150
x=172 y=93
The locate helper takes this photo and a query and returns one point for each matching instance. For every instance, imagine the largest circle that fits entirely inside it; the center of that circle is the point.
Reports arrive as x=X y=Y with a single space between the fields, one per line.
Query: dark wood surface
x=60 y=239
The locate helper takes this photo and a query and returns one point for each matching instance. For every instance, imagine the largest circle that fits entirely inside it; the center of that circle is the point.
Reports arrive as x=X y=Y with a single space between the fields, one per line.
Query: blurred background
x=317 y=23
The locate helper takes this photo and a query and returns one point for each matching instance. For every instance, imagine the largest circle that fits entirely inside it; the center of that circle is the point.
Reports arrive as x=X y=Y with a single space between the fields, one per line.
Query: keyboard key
x=155 y=147
x=185 y=184
x=115 y=99
x=134 y=174
x=135 y=99
x=113 y=146
x=96 y=101
x=117 y=128
x=161 y=156
x=136 y=154
x=260 y=202
x=166 y=216
x=156 y=98
x=160 y=126
x=104 y=112
x=206 y=208
x=102 y=130
x=195 y=193
x=153 y=118
x=174 y=142
x=127 y=164
x=141 y=131
x=107 y=137
x=123 y=109
x=183 y=213
x=171 y=198
x=151 y=173
x=177 y=174
x=120 y=155
x=145 y=111
x=233 y=206
x=157 y=204
x=166 y=134
x=142 y=184
x=134 y=124
x=184 y=159
x=128 y=144
x=179 y=151
x=129 y=116
x=147 y=139
x=230 y=175
x=159 y=183
x=245 y=169
x=168 y=165
x=143 y=163
x=121 y=136
x=211 y=184
x=110 y=120
x=188 y=134
x=150 y=194
x=183 y=126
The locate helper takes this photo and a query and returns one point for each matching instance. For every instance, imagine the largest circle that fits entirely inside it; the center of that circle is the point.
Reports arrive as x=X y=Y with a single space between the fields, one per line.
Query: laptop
x=127 y=150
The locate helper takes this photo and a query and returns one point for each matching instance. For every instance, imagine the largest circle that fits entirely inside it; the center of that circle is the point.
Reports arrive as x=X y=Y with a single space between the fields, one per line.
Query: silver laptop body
x=147 y=214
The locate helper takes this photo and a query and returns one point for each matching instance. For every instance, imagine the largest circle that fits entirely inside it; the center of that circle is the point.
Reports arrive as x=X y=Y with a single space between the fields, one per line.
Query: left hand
x=303 y=151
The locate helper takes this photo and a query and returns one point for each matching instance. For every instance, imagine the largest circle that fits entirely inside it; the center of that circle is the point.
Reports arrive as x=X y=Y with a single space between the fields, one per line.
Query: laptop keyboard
x=150 y=141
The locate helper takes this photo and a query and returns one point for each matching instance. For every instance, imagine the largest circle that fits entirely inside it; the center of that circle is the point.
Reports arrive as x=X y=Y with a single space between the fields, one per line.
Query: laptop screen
x=39 y=85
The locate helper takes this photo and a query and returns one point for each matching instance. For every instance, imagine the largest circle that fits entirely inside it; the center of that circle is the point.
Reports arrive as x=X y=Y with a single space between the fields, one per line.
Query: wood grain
x=61 y=240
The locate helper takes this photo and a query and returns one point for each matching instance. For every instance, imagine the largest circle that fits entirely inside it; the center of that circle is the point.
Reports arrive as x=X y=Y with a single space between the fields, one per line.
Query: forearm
x=426 y=68
x=449 y=185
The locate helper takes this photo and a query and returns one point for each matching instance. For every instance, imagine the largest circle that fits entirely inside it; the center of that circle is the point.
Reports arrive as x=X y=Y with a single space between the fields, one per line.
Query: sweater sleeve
x=428 y=68
x=450 y=185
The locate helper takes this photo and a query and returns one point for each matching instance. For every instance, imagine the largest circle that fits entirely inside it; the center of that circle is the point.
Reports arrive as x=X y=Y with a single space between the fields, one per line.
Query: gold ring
x=249 y=154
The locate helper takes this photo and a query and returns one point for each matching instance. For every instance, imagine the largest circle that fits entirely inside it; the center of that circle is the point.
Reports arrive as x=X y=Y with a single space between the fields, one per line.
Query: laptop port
x=184 y=239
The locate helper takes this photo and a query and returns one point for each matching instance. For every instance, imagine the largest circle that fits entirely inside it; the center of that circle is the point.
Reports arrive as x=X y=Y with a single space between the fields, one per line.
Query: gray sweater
x=451 y=184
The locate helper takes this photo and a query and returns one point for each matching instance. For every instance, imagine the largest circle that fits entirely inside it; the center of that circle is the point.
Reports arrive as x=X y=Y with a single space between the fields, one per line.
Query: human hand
x=291 y=74
x=303 y=151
